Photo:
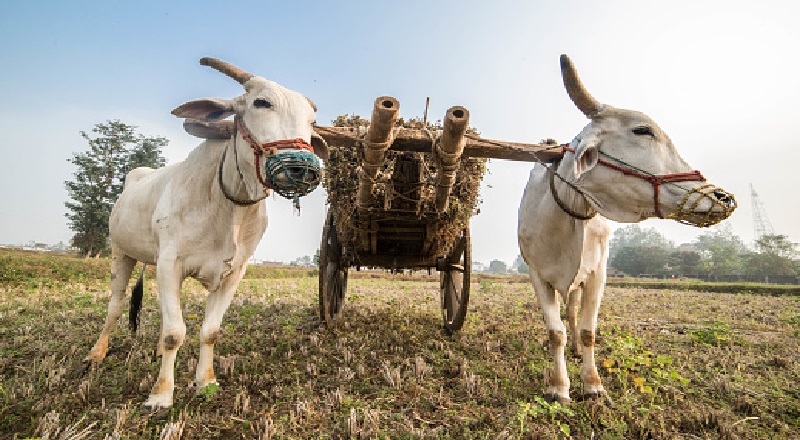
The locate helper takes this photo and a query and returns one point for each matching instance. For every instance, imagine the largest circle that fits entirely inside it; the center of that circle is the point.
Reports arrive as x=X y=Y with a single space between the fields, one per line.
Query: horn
x=314 y=106
x=228 y=69
x=576 y=91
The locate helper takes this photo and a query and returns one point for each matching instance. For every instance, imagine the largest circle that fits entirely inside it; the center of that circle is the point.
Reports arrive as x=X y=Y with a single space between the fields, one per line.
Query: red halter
x=268 y=148
x=655 y=180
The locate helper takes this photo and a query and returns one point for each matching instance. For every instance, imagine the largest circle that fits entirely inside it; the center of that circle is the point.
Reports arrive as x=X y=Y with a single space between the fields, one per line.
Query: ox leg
x=216 y=305
x=573 y=304
x=556 y=378
x=590 y=306
x=121 y=269
x=173 y=332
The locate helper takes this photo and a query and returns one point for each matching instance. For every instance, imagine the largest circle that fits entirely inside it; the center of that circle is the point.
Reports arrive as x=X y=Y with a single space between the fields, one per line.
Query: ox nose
x=724 y=198
x=301 y=173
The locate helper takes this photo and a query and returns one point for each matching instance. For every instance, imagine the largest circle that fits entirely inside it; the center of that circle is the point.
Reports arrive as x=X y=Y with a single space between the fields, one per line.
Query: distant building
x=266 y=263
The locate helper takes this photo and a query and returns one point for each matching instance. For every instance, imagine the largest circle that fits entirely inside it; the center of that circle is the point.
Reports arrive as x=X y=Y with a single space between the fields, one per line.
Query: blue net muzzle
x=292 y=174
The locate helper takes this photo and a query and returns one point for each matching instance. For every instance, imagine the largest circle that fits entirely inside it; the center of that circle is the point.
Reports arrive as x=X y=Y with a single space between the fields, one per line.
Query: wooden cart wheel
x=454 y=283
x=332 y=274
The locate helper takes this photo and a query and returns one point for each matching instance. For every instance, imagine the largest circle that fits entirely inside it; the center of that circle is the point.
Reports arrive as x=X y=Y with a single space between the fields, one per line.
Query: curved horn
x=576 y=91
x=228 y=69
x=314 y=106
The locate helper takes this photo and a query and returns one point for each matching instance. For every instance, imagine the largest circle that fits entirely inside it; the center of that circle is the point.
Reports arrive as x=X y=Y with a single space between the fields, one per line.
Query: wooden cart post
x=379 y=139
x=448 y=153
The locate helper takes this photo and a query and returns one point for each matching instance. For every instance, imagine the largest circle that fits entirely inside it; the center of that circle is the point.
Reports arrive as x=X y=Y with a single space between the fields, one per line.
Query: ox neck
x=588 y=212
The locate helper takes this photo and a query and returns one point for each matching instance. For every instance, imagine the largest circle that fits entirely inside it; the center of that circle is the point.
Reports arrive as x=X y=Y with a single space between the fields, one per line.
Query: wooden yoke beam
x=411 y=139
x=448 y=153
x=379 y=139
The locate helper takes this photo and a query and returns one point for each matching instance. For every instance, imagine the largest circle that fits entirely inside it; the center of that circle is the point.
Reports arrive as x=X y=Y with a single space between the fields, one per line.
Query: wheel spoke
x=451 y=294
x=456 y=290
x=334 y=297
x=444 y=289
x=458 y=250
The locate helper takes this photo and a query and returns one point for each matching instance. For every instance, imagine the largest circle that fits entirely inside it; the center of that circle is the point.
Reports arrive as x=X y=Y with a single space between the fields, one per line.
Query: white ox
x=624 y=167
x=202 y=217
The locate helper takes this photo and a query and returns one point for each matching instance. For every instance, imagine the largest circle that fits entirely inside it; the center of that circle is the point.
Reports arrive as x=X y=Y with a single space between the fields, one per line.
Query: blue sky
x=719 y=77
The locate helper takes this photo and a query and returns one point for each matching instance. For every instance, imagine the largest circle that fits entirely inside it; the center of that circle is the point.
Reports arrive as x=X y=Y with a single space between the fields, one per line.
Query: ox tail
x=136 y=301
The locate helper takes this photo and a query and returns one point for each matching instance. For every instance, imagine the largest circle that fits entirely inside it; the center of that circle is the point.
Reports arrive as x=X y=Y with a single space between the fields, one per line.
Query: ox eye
x=643 y=131
x=261 y=103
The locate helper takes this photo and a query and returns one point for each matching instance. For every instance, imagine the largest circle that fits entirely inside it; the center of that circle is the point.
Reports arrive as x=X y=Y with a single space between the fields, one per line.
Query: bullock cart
x=401 y=194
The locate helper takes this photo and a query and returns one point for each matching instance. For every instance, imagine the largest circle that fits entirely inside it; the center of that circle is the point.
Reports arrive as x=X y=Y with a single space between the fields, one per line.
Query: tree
x=778 y=245
x=686 y=262
x=100 y=176
x=497 y=266
x=146 y=153
x=634 y=236
x=637 y=251
x=725 y=250
x=774 y=257
x=520 y=265
x=639 y=260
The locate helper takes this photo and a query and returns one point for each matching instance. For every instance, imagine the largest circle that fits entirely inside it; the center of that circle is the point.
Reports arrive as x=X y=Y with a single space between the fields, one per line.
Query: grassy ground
x=678 y=364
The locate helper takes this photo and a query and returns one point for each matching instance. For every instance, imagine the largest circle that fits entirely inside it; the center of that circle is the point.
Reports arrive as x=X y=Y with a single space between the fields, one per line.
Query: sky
x=720 y=77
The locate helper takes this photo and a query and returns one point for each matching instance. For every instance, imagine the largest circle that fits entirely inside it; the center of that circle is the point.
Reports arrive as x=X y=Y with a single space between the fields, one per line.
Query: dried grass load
x=403 y=197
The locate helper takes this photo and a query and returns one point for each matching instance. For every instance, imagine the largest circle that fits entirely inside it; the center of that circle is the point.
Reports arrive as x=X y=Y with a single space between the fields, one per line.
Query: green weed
x=540 y=407
x=636 y=367
x=208 y=391
x=714 y=335
x=795 y=322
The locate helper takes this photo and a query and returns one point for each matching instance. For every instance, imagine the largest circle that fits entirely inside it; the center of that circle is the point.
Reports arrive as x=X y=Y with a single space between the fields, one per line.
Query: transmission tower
x=761 y=224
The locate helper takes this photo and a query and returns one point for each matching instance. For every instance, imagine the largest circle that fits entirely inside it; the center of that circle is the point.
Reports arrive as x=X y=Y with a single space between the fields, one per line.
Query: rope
x=224 y=190
x=665 y=178
x=550 y=169
x=686 y=213
x=564 y=206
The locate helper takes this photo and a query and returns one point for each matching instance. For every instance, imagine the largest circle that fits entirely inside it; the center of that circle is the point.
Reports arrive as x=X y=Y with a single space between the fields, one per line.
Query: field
x=678 y=363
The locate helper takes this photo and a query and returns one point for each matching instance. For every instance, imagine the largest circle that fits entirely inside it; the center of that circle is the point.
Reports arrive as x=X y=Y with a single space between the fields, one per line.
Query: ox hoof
x=156 y=412
x=599 y=397
x=156 y=404
x=550 y=398
x=155 y=409
x=85 y=367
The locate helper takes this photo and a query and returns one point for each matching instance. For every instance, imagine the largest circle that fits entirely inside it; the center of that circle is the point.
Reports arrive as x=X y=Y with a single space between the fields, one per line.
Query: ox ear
x=587 y=154
x=205 y=109
x=209 y=129
x=320 y=146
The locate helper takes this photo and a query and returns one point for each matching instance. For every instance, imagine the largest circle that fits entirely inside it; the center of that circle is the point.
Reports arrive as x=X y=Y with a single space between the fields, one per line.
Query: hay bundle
x=404 y=195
